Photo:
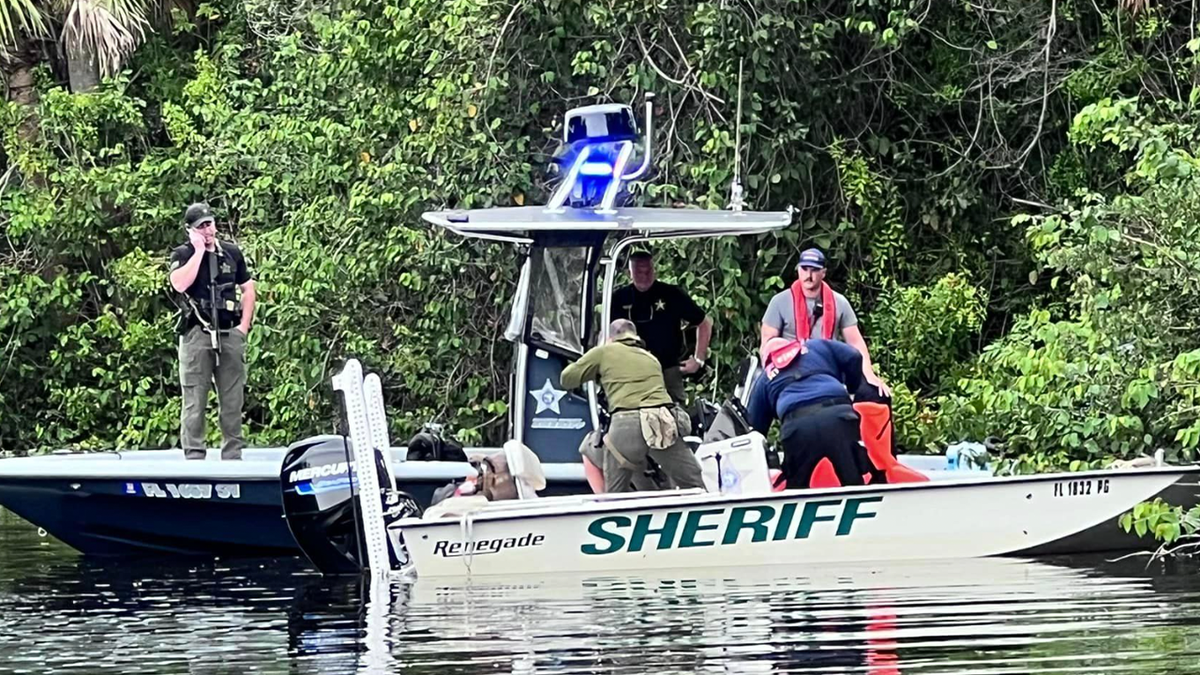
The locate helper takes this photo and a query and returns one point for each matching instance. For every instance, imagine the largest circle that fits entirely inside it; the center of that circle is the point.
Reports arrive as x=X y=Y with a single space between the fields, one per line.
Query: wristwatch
x=698 y=360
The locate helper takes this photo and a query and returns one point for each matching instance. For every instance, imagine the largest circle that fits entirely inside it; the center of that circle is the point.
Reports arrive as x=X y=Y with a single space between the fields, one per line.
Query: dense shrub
x=907 y=135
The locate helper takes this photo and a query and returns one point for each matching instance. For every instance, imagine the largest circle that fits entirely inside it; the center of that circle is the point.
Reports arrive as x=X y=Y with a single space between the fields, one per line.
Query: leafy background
x=1007 y=190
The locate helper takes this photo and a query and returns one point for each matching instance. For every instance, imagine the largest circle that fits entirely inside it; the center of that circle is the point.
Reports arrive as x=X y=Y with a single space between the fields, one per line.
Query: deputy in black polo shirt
x=660 y=312
x=203 y=271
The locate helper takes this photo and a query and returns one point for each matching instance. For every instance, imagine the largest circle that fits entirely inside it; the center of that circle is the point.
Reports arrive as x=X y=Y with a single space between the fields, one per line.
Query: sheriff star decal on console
x=547 y=398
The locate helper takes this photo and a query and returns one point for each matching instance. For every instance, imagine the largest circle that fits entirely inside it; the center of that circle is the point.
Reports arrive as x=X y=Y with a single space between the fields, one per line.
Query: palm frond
x=1134 y=7
x=110 y=29
x=20 y=15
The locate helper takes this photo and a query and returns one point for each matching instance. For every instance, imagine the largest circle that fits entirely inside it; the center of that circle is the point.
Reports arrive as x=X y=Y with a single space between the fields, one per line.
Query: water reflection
x=61 y=613
x=982 y=616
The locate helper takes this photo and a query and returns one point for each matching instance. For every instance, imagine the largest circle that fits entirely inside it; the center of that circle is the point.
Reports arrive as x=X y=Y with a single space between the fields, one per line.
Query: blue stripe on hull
x=103 y=517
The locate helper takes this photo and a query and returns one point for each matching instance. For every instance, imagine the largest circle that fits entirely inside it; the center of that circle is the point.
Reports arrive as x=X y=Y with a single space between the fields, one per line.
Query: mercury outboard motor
x=320 y=503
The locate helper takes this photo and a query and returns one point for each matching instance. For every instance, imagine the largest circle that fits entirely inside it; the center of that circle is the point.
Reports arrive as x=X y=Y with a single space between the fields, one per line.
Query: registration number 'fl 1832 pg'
x=1081 y=488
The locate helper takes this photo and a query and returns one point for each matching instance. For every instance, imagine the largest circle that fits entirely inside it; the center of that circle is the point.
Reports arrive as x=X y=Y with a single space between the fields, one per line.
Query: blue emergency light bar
x=599 y=142
x=596 y=169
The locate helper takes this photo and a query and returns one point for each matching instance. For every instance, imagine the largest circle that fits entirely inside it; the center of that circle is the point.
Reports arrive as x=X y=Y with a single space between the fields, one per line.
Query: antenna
x=735 y=190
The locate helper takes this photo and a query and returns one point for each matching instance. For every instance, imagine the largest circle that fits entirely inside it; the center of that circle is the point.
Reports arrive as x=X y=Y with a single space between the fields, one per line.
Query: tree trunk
x=17 y=68
x=83 y=68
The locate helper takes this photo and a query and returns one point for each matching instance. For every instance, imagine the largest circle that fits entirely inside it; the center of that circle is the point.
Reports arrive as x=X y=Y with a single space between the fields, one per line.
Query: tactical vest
x=199 y=310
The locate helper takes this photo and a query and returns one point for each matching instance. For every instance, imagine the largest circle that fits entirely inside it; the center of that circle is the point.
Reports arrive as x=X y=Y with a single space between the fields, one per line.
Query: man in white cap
x=824 y=314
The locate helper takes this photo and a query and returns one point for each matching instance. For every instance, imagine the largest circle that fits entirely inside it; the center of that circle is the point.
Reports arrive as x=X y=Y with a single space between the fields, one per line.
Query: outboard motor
x=320 y=503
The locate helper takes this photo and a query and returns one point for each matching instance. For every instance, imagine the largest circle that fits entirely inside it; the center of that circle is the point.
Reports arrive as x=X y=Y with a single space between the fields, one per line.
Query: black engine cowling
x=320 y=503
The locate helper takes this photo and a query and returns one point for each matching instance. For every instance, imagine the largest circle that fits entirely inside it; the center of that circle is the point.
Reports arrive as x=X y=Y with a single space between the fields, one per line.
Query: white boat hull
x=950 y=519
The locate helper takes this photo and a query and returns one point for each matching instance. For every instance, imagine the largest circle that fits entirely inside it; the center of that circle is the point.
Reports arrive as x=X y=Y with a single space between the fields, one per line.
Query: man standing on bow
x=660 y=311
x=824 y=313
x=213 y=326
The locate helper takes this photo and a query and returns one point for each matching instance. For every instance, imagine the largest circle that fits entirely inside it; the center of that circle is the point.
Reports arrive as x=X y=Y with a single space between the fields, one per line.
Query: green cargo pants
x=625 y=433
x=197 y=371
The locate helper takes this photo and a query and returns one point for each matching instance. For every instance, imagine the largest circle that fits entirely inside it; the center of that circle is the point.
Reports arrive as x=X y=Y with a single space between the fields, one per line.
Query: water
x=60 y=613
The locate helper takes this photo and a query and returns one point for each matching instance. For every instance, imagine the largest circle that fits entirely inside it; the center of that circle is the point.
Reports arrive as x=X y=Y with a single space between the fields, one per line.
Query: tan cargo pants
x=197 y=372
x=677 y=462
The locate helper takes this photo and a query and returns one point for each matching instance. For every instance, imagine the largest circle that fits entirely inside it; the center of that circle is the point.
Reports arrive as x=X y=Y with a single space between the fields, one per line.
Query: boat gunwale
x=597 y=506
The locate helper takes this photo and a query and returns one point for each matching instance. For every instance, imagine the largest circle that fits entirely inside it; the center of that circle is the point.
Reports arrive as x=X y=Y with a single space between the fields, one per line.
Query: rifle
x=211 y=322
x=214 y=331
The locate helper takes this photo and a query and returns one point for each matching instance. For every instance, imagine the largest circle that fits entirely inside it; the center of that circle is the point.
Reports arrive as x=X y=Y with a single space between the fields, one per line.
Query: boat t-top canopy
x=521 y=224
x=584 y=225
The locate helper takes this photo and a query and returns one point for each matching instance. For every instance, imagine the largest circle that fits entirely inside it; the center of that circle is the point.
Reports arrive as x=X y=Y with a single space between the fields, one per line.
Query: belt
x=813 y=408
x=208 y=329
x=618 y=411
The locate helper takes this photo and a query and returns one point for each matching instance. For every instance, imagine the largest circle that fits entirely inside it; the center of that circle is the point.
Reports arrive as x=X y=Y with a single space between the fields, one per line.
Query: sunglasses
x=203 y=224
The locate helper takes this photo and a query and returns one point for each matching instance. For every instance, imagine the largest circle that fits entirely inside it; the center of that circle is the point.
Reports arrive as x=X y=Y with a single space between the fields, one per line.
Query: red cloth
x=800 y=307
x=875 y=426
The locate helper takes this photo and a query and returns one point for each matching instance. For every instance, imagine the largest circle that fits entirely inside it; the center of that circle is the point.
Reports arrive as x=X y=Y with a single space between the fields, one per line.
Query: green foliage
x=1161 y=521
x=320 y=131
x=1057 y=393
x=1109 y=369
x=903 y=133
x=925 y=328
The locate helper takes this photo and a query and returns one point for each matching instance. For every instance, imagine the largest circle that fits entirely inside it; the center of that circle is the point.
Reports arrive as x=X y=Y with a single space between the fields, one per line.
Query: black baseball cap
x=198 y=215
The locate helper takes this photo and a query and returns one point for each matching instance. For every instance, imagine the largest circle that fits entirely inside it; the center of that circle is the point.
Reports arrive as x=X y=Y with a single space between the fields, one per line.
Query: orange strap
x=800 y=310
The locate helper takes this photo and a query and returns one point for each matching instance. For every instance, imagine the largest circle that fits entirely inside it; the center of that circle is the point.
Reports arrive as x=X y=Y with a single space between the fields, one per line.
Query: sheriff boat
x=580 y=233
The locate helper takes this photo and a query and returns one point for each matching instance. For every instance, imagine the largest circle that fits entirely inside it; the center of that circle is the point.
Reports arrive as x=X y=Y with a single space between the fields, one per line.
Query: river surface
x=61 y=613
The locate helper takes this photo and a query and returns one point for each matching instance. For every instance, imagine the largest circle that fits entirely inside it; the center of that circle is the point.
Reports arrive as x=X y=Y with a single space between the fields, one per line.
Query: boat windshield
x=556 y=295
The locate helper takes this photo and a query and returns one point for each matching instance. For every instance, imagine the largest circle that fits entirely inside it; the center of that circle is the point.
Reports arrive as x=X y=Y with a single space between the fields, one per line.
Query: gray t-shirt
x=782 y=317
